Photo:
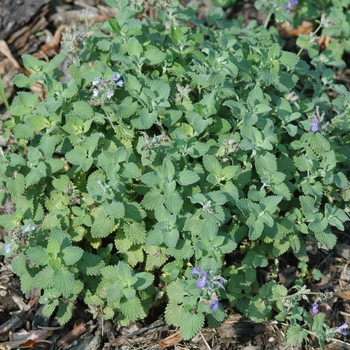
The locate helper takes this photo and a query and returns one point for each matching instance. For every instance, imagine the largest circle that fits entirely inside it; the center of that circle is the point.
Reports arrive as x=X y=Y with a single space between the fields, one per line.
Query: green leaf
x=289 y=59
x=64 y=282
x=83 y=110
x=45 y=278
x=340 y=180
x=173 y=202
x=295 y=335
x=90 y=264
x=259 y=310
x=151 y=179
x=132 y=84
x=103 y=225
x=18 y=265
x=132 y=309
x=16 y=186
x=38 y=255
x=176 y=34
x=131 y=171
x=144 y=280
x=71 y=255
x=187 y=177
x=168 y=169
x=114 y=209
x=172 y=314
x=317 y=274
x=153 y=55
x=64 y=312
x=171 y=238
x=54 y=63
x=134 y=48
x=49 y=309
x=265 y=163
x=308 y=206
x=335 y=216
x=135 y=231
x=211 y=164
x=190 y=323
x=152 y=199
x=22 y=81
x=175 y=291
x=23 y=131
x=318 y=322
x=58 y=240
x=270 y=203
x=326 y=238
x=279 y=292
x=274 y=51
x=32 y=64
x=256 y=227
x=145 y=120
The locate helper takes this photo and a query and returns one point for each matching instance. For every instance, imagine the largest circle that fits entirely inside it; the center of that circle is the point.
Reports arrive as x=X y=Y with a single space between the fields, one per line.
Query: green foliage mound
x=172 y=145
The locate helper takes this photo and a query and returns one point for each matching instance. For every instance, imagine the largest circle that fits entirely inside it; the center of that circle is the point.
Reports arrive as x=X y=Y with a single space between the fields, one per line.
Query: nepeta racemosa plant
x=194 y=301
x=163 y=151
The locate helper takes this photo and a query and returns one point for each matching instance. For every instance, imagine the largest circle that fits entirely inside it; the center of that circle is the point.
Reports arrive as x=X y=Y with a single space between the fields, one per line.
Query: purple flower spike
x=314 y=126
x=95 y=92
x=110 y=93
x=201 y=282
x=314 y=308
x=342 y=328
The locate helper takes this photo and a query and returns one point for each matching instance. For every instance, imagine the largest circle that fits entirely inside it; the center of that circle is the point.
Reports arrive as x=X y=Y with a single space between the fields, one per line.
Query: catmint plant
x=164 y=151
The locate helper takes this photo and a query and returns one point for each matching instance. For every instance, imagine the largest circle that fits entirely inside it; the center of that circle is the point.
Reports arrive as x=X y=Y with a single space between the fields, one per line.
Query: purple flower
x=96 y=81
x=118 y=82
x=8 y=247
x=110 y=93
x=314 y=126
x=314 y=308
x=116 y=77
x=197 y=271
x=214 y=302
x=29 y=228
x=290 y=3
x=342 y=328
x=201 y=282
x=95 y=92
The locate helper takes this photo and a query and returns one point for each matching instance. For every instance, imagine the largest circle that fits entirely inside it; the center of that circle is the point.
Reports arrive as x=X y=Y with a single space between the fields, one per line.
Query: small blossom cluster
x=9 y=246
x=106 y=87
x=210 y=284
x=183 y=91
x=289 y=5
x=154 y=142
